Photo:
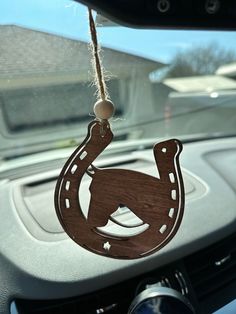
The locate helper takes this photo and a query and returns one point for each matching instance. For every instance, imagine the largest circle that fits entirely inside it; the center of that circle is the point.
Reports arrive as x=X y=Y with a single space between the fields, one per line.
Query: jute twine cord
x=96 y=60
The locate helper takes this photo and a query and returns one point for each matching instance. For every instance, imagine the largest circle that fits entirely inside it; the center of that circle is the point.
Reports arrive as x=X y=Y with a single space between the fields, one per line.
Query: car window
x=164 y=83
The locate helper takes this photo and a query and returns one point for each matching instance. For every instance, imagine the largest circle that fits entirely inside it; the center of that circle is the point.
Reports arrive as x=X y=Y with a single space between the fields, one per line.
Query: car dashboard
x=43 y=271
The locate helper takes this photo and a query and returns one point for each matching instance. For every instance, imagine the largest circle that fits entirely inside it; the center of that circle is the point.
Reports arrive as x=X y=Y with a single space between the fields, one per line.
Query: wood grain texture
x=158 y=202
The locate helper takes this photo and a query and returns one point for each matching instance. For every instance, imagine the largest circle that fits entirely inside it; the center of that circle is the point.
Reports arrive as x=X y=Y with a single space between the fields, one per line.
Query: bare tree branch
x=201 y=60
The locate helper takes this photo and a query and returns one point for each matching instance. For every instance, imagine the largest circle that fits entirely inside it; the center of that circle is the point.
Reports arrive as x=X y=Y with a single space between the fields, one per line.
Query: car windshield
x=164 y=83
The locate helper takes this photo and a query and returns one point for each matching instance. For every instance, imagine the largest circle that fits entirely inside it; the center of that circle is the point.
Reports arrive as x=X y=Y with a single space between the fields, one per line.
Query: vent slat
x=205 y=276
x=216 y=284
x=198 y=263
x=115 y=300
x=213 y=271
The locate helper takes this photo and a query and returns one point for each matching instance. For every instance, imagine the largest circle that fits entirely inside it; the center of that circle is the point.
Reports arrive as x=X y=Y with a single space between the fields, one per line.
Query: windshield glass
x=164 y=83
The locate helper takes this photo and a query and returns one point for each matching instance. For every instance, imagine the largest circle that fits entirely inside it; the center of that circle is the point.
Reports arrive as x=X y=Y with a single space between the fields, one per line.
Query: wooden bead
x=104 y=109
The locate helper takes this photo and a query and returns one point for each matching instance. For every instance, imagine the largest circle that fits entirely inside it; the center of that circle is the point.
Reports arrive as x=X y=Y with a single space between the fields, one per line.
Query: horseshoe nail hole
x=83 y=155
x=172 y=177
x=106 y=246
x=163 y=229
x=67 y=202
x=73 y=169
x=164 y=150
x=67 y=185
x=171 y=212
x=173 y=195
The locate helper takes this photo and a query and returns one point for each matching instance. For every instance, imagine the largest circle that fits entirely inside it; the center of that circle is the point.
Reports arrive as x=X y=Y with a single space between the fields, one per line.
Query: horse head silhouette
x=146 y=196
x=157 y=200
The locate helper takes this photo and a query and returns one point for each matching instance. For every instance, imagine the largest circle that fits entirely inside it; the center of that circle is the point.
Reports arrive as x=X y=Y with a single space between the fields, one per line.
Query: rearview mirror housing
x=168 y=14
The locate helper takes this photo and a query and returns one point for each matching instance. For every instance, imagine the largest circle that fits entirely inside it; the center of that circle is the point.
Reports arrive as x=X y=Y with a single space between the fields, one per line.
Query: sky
x=69 y=19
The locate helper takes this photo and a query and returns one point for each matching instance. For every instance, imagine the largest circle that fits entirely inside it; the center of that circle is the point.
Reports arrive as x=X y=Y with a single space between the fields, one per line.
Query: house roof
x=206 y=83
x=34 y=57
x=227 y=70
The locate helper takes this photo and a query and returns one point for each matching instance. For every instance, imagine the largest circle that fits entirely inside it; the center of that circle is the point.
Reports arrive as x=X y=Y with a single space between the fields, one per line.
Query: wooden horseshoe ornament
x=158 y=202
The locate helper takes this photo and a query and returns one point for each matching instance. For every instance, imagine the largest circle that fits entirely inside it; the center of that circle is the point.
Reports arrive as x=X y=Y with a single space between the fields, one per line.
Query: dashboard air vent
x=112 y=300
x=213 y=269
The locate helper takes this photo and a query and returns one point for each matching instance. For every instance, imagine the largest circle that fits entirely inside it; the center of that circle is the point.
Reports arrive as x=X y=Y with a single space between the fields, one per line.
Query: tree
x=201 y=60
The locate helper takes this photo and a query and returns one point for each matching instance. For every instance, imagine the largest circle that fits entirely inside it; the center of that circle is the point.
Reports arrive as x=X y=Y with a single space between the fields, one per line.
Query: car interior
x=170 y=70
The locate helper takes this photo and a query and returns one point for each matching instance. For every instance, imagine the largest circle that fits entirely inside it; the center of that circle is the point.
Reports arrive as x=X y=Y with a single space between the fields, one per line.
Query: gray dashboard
x=38 y=260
